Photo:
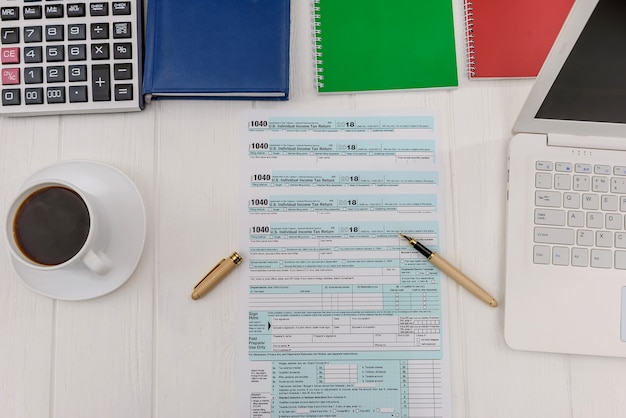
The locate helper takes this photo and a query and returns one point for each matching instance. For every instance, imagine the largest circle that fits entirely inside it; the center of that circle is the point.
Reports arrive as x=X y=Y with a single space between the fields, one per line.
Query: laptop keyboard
x=580 y=215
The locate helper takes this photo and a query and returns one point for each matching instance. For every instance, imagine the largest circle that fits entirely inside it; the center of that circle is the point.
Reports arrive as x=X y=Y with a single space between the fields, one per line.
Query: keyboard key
x=33 y=54
x=581 y=183
x=548 y=199
x=576 y=218
x=54 y=11
x=55 y=53
x=77 y=32
x=582 y=168
x=601 y=258
x=602 y=169
x=33 y=96
x=562 y=181
x=550 y=217
x=11 y=55
x=564 y=167
x=595 y=220
x=32 y=12
x=99 y=9
x=10 y=76
x=76 y=10
x=561 y=236
x=122 y=51
x=78 y=94
x=600 y=184
x=571 y=200
x=11 y=97
x=620 y=260
x=10 y=35
x=580 y=257
x=560 y=256
x=77 y=73
x=604 y=239
x=121 y=7
x=544 y=166
x=543 y=180
x=55 y=95
x=613 y=221
x=123 y=71
x=33 y=75
x=54 y=33
x=123 y=92
x=10 y=13
x=122 y=30
x=541 y=254
x=584 y=237
x=620 y=240
x=101 y=83
x=591 y=201
x=100 y=51
x=33 y=34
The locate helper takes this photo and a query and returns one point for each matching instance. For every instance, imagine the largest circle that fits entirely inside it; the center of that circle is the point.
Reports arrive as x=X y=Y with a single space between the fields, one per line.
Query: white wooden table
x=148 y=350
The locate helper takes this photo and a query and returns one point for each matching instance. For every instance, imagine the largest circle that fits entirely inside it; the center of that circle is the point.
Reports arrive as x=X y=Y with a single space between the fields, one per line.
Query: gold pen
x=452 y=272
x=217 y=273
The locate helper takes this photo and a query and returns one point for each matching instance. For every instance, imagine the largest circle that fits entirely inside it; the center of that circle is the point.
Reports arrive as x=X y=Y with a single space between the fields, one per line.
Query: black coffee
x=51 y=225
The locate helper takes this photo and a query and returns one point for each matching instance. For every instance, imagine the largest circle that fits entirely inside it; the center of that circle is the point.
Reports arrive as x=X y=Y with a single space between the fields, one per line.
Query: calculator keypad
x=69 y=56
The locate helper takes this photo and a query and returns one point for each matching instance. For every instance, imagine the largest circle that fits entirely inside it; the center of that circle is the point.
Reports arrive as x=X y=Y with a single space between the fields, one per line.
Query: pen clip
x=209 y=273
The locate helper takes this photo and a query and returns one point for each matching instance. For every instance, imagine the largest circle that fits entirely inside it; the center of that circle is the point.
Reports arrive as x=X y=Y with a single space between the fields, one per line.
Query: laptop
x=566 y=197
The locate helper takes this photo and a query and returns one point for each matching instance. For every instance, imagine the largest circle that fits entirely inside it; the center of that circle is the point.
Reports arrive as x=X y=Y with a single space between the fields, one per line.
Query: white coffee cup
x=52 y=224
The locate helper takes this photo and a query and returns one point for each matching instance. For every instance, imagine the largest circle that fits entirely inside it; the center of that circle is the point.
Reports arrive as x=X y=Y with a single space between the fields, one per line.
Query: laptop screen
x=591 y=85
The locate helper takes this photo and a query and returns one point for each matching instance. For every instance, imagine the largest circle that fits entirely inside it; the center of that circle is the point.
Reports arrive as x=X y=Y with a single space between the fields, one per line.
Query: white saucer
x=122 y=209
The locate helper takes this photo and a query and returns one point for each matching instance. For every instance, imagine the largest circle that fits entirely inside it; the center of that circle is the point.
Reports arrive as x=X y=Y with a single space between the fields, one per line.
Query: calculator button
x=98 y=9
x=123 y=51
x=77 y=32
x=121 y=30
x=121 y=7
x=76 y=10
x=54 y=33
x=55 y=74
x=11 y=55
x=10 y=35
x=78 y=94
x=33 y=75
x=54 y=53
x=101 y=82
x=100 y=51
x=123 y=92
x=54 y=11
x=55 y=94
x=10 y=76
x=99 y=31
x=123 y=71
x=11 y=97
x=33 y=96
x=33 y=54
x=10 y=13
x=32 y=34
x=32 y=12
x=77 y=52
x=77 y=73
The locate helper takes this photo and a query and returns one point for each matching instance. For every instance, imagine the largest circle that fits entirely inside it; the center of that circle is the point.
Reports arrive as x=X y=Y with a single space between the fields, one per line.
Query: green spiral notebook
x=369 y=45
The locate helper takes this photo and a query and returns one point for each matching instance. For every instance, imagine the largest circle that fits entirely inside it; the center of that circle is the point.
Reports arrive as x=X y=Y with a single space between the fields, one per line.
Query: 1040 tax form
x=339 y=316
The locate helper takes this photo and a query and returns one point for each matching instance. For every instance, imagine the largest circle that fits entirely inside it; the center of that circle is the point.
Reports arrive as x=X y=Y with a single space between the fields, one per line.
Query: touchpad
x=622 y=334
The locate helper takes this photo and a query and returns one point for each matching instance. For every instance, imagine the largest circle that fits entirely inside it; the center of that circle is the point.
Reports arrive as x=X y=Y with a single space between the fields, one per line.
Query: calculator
x=68 y=56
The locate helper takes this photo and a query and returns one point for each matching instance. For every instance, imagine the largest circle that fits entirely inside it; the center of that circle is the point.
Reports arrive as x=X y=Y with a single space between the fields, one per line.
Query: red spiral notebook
x=511 y=38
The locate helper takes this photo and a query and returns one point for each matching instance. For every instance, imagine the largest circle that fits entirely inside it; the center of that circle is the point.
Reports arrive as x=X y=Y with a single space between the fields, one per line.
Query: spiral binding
x=470 y=53
x=317 y=47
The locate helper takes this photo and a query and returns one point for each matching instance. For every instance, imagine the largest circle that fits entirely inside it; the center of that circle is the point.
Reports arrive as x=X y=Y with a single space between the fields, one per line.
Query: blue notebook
x=217 y=49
